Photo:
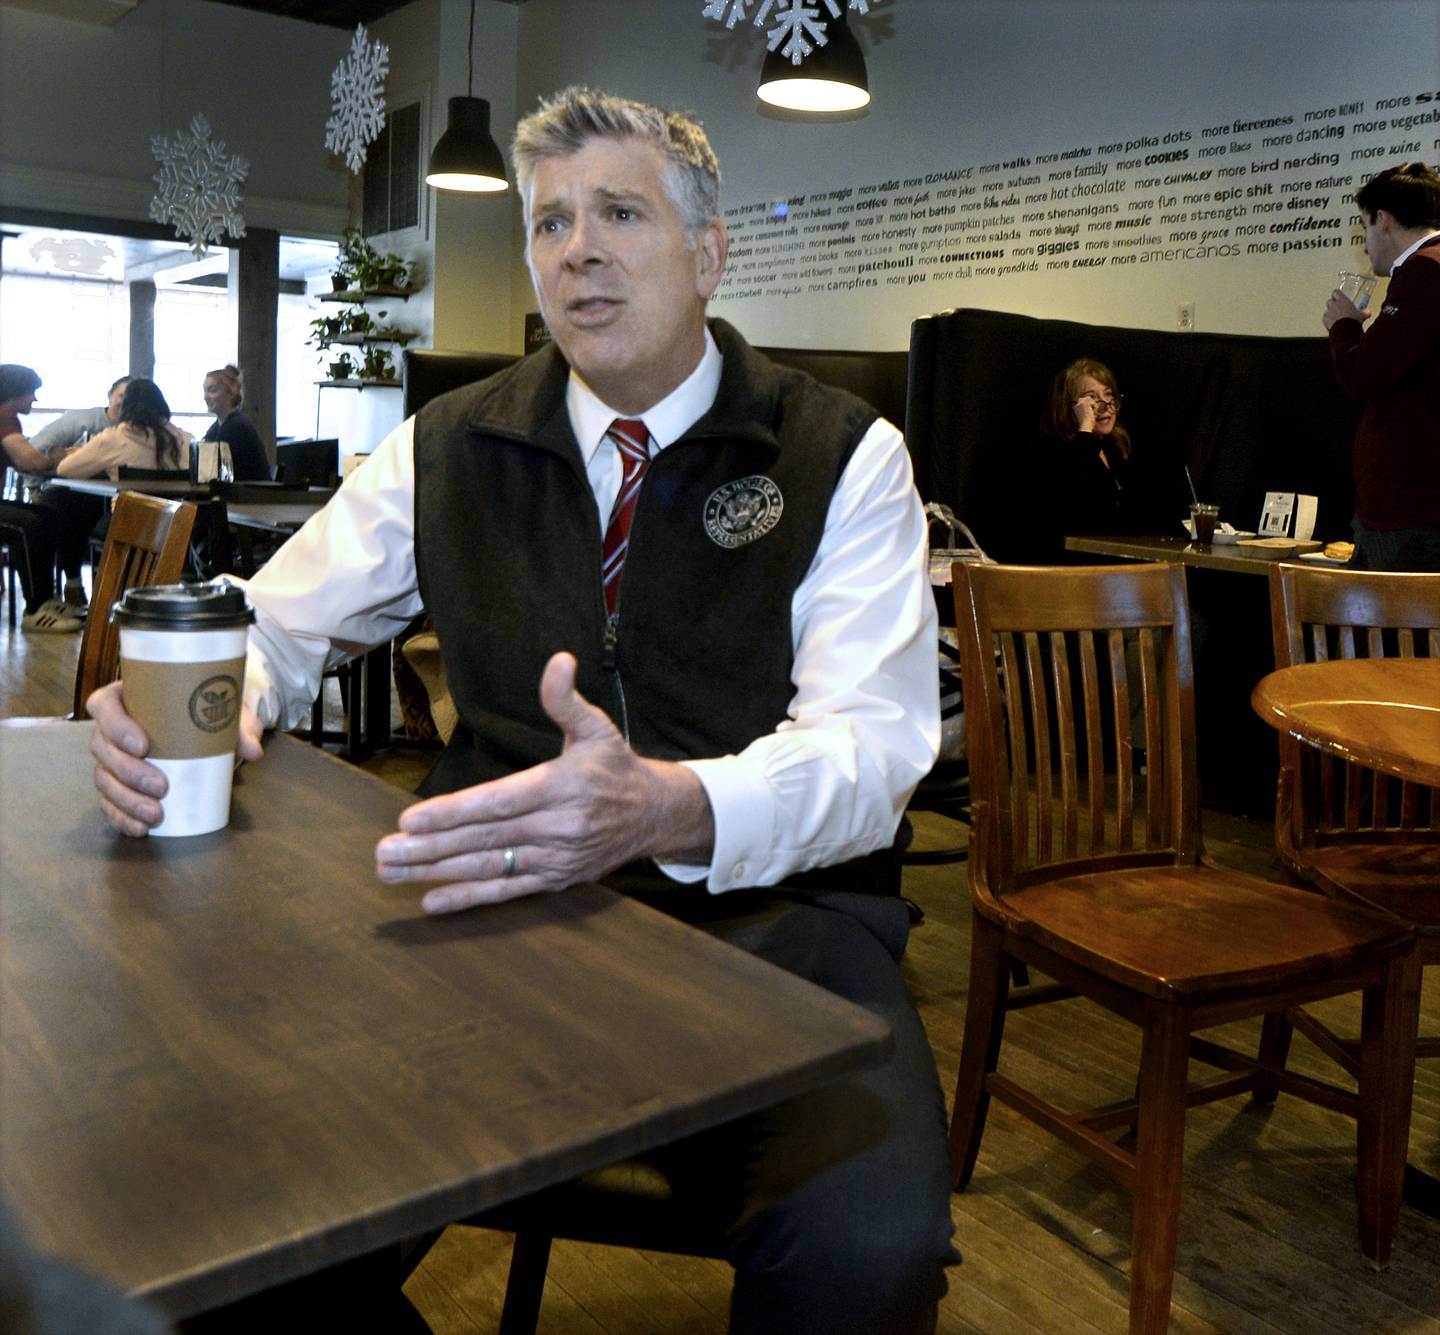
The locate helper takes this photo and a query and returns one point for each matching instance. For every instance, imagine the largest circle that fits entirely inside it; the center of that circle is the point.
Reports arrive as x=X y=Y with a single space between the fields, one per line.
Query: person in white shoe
x=29 y=530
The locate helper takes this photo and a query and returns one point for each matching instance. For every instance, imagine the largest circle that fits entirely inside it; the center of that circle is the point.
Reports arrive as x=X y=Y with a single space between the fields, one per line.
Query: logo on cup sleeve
x=742 y=511
x=215 y=703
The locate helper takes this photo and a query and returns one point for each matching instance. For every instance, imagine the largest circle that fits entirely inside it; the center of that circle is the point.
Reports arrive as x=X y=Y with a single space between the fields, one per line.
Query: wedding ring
x=507 y=862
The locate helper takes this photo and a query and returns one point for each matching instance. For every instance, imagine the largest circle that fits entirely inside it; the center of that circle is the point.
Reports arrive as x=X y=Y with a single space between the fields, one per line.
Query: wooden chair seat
x=1090 y=873
x=1169 y=933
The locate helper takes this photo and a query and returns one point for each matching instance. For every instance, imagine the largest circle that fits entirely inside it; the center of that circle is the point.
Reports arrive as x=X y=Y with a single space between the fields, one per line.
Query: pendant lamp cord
x=470 y=55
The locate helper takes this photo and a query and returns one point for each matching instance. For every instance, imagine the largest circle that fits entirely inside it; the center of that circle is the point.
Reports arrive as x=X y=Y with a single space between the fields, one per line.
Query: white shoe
x=47 y=620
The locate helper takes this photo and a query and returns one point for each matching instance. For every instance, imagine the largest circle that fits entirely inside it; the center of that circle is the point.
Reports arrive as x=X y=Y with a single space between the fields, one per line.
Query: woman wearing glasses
x=1082 y=476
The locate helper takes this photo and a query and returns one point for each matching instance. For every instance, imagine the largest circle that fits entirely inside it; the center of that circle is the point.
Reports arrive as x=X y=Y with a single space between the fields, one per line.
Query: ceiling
x=336 y=13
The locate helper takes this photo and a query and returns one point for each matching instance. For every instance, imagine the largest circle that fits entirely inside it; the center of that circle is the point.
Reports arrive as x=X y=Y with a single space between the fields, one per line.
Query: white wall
x=473 y=235
x=960 y=84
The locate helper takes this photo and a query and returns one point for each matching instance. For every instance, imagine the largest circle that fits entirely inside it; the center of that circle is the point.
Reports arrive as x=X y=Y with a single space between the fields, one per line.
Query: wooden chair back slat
x=1060 y=656
x=1068 y=744
x=147 y=543
x=1124 y=742
x=1156 y=833
x=1322 y=614
x=1040 y=733
x=1094 y=745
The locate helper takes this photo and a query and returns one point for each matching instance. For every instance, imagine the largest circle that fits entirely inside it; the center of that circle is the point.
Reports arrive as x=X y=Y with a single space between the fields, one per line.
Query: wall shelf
x=373 y=336
x=359 y=384
x=353 y=296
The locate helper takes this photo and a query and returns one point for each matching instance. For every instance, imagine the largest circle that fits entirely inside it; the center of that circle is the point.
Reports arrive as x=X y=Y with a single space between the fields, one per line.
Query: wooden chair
x=147 y=543
x=1341 y=828
x=1090 y=874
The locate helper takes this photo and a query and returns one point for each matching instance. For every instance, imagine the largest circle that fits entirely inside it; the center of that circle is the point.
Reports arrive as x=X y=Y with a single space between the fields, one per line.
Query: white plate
x=1320 y=559
x=1226 y=539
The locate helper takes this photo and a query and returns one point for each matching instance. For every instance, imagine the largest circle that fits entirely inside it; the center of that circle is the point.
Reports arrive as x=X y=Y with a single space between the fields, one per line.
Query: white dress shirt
x=830 y=783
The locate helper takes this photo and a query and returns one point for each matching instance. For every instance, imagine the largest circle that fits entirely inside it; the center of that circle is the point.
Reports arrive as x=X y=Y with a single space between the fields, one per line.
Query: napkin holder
x=211 y=461
x=1288 y=514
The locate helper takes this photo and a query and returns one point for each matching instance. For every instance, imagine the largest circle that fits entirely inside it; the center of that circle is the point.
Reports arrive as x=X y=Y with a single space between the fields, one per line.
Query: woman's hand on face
x=1084 y=409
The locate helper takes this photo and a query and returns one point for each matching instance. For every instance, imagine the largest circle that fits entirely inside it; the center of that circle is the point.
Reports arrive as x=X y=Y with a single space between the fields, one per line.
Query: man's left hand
x=593 y=808
x=1340 y=307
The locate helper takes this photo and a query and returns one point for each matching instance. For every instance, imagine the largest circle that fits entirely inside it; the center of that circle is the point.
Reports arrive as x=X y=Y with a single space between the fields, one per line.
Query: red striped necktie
x=633 y=442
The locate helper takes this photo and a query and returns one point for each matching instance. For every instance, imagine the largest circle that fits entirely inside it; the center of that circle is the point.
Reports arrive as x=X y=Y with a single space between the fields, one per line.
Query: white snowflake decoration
x=797 y=21
x=199 y=186
x=357 y=99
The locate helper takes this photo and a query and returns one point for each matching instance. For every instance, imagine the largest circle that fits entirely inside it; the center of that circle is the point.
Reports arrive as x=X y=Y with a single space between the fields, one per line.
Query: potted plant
x=366 y=268
x=324 y=330
x=378 y=365
x=342 y=367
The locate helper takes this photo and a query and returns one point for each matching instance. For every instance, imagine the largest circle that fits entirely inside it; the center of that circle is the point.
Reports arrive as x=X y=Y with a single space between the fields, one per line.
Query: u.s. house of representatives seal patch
x=743 y=510
x=214 y=703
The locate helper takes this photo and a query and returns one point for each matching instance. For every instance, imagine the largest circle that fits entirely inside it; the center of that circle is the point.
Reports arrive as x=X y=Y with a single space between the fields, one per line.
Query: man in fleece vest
x=714 y=570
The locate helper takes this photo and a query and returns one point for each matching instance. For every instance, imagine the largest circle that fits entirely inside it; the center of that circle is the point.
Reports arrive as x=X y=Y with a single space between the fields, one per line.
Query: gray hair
x=565 y=122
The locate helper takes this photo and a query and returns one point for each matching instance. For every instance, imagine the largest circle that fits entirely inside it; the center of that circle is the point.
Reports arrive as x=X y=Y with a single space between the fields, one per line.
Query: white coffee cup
x=182 y=662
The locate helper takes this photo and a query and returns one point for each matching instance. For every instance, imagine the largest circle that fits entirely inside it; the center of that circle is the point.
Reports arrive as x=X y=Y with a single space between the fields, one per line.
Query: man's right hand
x=1340 y=307
x=130 y=788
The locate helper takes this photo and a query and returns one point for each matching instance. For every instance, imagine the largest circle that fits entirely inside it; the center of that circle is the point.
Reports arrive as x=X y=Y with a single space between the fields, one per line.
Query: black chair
x=429 y=372
x=130 y=473
x=307 y=462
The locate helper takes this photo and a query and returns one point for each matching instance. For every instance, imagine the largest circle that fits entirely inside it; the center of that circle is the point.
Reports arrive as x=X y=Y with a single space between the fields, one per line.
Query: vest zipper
x=611 y=662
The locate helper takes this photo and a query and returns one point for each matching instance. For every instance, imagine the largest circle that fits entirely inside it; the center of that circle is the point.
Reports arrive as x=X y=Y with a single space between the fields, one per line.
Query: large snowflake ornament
x=716 y=9
x=199 y=187
x=357 y=99
x=797 y=22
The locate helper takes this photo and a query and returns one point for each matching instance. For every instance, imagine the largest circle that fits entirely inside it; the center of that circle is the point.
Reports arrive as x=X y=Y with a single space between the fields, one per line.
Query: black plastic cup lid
x=217 y=605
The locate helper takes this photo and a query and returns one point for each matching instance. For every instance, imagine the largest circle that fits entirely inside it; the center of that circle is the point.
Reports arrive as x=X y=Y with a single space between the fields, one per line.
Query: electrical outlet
x=1186 y=315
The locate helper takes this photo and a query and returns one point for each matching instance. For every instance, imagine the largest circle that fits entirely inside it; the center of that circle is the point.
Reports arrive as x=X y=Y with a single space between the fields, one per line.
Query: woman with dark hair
x=224 y=393
x=144 y=437
x=1082 y=476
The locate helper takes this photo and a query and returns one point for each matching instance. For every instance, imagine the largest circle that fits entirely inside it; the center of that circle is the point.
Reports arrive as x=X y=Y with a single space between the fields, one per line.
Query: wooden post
x=258 y=289
x=142 y=328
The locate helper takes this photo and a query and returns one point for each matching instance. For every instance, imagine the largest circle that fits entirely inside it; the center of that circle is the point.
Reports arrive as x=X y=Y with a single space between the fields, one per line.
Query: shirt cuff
x=744 y=811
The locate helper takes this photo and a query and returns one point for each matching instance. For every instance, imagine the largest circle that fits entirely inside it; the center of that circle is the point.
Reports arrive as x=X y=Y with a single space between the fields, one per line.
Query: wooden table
x=276 y=516
x=233 y=1060
x=1380 y=712
x=1218 y=556
x=170 y=489
x=1384 y=713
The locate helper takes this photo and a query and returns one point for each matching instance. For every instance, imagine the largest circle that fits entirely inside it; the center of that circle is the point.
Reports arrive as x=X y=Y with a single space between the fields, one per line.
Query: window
x=392 y=174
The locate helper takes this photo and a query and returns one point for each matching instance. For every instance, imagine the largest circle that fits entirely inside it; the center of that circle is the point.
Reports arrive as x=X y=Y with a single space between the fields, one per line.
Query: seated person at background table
x=79 y=424
x=1393 y=369
x=1082 y=475
x=144 y=437
x=223 y=396
x=774 y=631
x=29 y=530
x=76 y=514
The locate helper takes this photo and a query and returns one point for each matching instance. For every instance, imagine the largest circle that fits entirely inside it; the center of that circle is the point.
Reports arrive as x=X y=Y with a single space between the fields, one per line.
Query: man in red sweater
x=1393 y=369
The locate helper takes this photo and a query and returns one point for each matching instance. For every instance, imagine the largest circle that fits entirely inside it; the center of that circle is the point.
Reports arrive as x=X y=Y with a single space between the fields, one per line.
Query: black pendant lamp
x=466 y=157
x=831 y=78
